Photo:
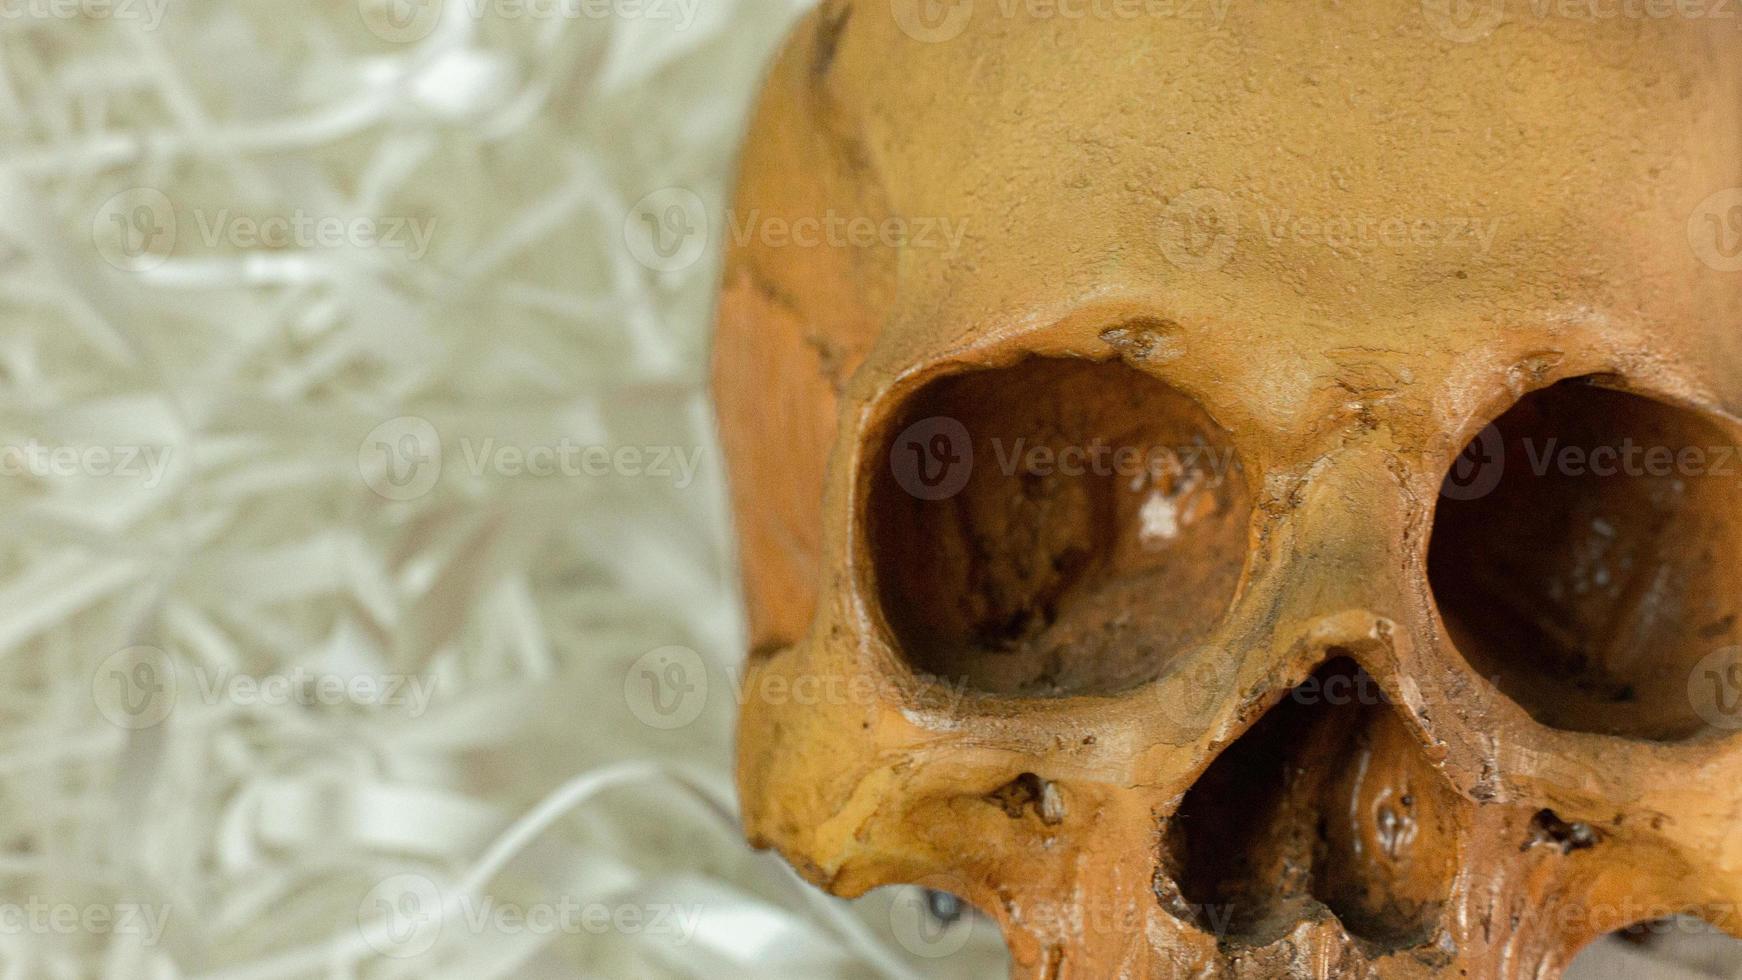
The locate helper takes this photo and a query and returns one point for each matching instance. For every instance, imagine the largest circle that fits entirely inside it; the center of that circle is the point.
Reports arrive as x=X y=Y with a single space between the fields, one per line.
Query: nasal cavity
x=1056 y=527
x=1327 y=803
x=1585 y=558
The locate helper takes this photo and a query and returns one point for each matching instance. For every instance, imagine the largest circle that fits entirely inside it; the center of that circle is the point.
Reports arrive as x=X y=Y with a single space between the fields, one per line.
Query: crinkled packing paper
x=233 y=522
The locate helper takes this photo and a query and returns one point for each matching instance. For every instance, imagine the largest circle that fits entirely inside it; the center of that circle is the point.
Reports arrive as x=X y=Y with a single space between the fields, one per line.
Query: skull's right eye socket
x=1056 y=527
x=1585 y=556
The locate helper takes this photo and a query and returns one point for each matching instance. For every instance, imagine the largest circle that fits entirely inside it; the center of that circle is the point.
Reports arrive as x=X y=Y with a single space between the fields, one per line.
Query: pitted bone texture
x=1369 y=260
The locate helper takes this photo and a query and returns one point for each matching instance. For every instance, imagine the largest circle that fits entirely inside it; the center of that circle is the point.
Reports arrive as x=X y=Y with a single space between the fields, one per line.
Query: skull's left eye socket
x=1056 y=527
x=1585 y=556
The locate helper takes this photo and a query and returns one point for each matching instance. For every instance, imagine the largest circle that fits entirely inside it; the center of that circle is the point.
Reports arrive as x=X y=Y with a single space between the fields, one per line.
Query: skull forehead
x=1383 y=188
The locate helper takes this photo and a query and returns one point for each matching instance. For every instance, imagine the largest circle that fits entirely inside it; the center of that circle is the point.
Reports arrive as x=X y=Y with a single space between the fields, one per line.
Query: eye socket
x=1056 y=527
x=1584 y=556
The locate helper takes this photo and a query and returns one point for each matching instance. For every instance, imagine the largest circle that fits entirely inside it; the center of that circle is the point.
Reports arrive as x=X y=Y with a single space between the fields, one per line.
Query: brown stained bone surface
x=1271 y=509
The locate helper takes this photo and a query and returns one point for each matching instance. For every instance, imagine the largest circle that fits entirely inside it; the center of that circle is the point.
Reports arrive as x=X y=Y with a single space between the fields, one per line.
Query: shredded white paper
x=358 y=477
x=366 y=597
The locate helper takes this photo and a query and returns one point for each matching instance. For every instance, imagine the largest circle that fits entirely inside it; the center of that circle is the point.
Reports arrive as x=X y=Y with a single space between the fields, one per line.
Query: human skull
x=1200 y=474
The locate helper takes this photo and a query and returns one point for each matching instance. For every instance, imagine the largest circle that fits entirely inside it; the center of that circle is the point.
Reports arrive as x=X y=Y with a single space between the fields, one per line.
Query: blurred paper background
x=367 y=605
